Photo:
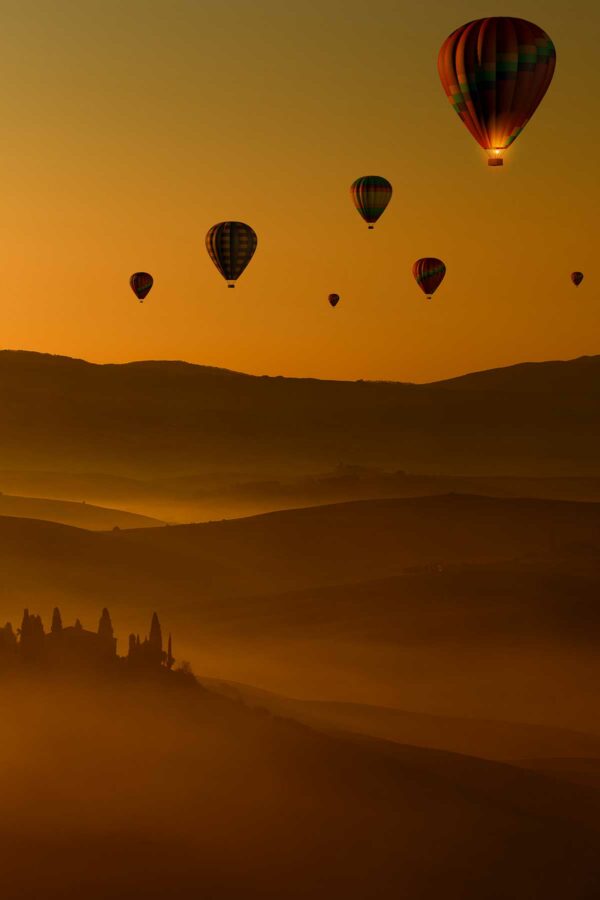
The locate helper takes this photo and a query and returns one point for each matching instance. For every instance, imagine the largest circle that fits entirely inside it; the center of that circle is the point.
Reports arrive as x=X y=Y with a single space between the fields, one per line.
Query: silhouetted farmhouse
x=75 y=645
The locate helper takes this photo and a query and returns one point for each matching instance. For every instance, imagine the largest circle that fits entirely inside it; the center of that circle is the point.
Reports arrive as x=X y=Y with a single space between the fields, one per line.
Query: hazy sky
x=131 y=126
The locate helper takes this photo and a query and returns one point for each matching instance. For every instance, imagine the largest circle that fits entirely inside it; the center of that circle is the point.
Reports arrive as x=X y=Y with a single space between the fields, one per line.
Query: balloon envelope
x=140 y=283
x=576 y=278
x=371 y=194
x=334 y=299
x=231 y=246
x=429 y=273
x=495 y=72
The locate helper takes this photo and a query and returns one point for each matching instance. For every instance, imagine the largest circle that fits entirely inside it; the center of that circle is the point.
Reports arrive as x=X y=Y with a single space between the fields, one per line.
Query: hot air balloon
x=495 y=72
x=371 y=195
x=141 y=283
x=231 y=246
x=576 y=278
x=334 y=299
x=429 y=273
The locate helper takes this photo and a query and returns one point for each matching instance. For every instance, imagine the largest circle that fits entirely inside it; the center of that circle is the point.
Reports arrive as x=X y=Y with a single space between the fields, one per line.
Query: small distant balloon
x=371 y=195
x=495 y=72
x=334 y=299
x=141 y=283
x=576 y=278
x=231 y=246
x=429 y=273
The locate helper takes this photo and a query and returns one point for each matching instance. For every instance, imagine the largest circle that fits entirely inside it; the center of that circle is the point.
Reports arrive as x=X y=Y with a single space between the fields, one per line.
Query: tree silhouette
x=105 y=629
x=75 y=646
x=155 y=634
x=170 y=658
x=57 y=625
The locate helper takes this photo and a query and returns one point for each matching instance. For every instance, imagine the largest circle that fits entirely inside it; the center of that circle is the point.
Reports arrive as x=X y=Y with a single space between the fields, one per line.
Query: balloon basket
x=496 y=161
x=231 y=285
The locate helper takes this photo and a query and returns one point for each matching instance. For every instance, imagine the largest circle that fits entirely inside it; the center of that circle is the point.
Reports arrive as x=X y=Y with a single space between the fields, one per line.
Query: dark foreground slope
x=145 y=791
x=448 y=605
x=169 y=417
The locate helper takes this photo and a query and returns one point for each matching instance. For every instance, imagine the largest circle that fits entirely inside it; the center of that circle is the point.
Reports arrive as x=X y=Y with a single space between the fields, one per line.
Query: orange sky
x=131 y=126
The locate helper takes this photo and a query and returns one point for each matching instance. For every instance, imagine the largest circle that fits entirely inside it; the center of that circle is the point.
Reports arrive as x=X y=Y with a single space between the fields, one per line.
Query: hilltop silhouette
x=68 y=647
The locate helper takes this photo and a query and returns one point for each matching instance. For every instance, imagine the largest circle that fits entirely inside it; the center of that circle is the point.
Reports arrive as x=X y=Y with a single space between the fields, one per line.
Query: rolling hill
x=80 y=515
x=295 y=549
x=451 y=605
x=156 y=418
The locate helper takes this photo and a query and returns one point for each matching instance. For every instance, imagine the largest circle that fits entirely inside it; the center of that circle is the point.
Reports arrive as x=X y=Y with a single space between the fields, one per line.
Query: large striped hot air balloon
x=495 y=72
x=140 y=283
x=429 y=273
x=371 y=195
x=231 y=246
x=576 y=278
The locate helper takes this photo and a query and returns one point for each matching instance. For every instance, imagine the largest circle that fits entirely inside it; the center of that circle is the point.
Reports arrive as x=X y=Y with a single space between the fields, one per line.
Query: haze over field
x=406 y=628
x=148 y=788
x=80 y=515
x=445 y=603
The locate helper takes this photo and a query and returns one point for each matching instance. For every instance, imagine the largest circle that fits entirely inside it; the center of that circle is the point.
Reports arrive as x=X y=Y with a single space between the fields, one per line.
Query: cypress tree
x=105 y=629
x=57 y=625
x=24 y=629
x=155 y=634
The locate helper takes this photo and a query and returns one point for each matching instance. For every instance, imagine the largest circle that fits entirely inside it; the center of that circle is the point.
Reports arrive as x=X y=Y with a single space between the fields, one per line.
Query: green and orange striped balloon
x=429 y=273
x=495 y=72
x=371 y=195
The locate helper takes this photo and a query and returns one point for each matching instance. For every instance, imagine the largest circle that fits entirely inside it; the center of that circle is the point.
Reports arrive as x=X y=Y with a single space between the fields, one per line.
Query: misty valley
x=255 y=666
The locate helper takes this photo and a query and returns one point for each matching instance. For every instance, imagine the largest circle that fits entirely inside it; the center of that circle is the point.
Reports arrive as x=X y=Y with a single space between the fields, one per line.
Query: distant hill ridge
x=33 y=359
x=530 y=375
x=156 y=418
x=491 y=378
